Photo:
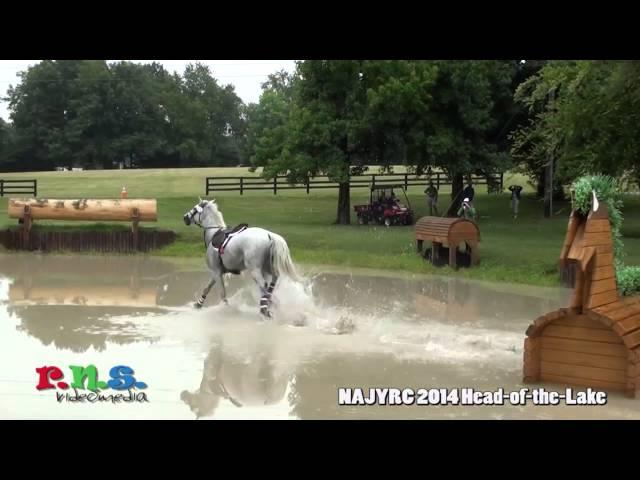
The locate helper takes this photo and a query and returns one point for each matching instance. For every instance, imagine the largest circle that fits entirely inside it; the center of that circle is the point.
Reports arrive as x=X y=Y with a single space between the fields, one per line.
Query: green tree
x=322 y=127
x=40 y=111
x=6 y=145
x=267 y=120
x=585 y=114
x=344 y=115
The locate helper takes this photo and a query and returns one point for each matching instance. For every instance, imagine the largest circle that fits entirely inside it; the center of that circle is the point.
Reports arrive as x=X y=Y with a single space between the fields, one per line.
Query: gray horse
x=264 y=254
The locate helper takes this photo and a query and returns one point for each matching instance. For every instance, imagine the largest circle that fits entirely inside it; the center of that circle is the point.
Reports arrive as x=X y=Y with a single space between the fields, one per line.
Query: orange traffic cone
x=123 y=193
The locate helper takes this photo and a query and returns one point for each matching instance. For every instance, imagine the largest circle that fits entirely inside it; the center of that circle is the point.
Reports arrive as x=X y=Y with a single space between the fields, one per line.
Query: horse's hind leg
x=205 y=292
x=264 y=292
x=271 y=288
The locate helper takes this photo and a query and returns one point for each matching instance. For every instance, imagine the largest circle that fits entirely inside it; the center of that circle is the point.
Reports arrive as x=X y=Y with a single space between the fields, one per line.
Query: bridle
x=197 y=210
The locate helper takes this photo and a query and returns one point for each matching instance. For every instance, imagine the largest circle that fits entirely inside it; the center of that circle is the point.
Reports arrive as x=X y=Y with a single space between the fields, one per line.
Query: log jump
x=28 y=210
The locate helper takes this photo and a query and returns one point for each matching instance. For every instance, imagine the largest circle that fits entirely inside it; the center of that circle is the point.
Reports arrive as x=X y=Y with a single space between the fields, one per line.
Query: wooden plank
x=602 y=298
x=584 y=359
x=607 y=309
x=632 y=340
x=624 y=313
x=580 y=321
x=604 y=249
x=579 y=333
x=605 y=285
x=594 y=239
x=597 y=226
x=633 y=300
x=465 y=228
x=579 y=371
x=433 y=231
x=604 y=260
x=583 y=382
x=601 y=273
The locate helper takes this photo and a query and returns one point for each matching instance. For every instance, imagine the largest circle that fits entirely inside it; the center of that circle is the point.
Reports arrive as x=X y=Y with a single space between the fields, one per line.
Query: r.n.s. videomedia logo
x=86 y=378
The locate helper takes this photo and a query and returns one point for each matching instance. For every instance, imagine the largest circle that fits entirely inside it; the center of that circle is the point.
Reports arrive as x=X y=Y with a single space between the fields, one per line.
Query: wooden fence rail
x=494 y=182
x=18 y=187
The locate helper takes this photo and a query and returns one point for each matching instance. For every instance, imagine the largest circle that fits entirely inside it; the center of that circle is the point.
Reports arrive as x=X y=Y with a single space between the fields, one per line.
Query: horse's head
x=205 y=214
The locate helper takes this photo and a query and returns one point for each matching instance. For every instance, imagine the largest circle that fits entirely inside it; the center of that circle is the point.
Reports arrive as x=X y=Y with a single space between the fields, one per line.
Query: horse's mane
x=217 y=214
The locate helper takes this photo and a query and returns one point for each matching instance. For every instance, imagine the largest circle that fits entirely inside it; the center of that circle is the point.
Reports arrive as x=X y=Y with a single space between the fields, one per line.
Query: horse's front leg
x=205 y=292
x=224 y=290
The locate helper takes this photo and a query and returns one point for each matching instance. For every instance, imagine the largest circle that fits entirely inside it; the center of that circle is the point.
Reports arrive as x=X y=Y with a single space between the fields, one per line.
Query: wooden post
x=438 y=180
x=531 y=363
x=435 y=252
x=275 y=184
x=475 y=253
x=241 y=185
x=27 y=221
x=453 y=249
x=406 y=181
x=307 y=185
x=135 y=218
x=632 y=372
x=1 y=188
x=373 y=180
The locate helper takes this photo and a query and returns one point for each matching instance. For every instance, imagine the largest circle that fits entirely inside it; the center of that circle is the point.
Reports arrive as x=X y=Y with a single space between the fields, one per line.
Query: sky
x=245 y=75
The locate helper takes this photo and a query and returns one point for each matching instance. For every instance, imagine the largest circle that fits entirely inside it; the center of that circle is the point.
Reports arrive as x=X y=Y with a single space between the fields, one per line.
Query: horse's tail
x=281 y=261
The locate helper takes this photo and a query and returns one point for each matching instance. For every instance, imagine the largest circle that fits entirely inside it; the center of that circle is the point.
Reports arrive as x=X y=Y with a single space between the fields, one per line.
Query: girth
x=220 y=240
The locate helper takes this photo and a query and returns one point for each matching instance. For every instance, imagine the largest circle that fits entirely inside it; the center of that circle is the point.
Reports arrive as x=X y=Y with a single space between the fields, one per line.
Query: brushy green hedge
x=607 y=191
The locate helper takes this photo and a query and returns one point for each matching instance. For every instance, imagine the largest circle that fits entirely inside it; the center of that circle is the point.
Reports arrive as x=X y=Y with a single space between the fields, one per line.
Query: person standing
x=515 y=199
x=467 y=210
x=468 y=193
x=432 y=198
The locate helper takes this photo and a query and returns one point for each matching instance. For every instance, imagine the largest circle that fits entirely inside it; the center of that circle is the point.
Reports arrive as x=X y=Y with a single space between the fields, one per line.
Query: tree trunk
x=457 y=185
x=344 y=204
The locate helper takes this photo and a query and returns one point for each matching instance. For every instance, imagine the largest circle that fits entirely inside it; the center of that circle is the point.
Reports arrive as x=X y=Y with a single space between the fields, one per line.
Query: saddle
x=221 y=237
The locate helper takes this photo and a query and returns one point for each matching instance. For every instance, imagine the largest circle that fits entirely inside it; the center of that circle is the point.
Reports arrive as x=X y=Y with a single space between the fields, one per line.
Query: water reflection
x=252 y=380
x=222 y=362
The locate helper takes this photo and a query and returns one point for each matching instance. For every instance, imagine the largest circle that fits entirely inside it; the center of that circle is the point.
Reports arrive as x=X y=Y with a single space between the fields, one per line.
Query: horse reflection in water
x=251 y=381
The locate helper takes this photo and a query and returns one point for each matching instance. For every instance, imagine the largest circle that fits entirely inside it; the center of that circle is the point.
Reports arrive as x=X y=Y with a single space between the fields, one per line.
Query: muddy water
x=362 y=329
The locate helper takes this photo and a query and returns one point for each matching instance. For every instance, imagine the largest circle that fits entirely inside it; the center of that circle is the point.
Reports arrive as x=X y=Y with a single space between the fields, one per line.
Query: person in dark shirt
x=469 y=193
x=432 y=198
x=515 y=199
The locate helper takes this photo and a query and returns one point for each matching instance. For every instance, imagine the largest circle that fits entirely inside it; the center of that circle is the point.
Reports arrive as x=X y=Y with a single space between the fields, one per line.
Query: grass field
x=520 y=251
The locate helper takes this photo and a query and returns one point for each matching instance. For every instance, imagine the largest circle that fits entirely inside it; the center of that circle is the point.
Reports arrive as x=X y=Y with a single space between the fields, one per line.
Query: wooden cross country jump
x=595 y=342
